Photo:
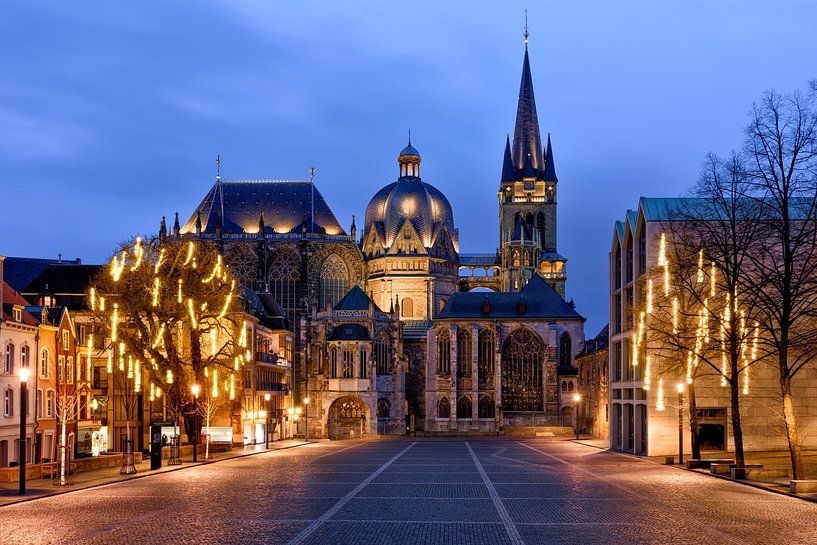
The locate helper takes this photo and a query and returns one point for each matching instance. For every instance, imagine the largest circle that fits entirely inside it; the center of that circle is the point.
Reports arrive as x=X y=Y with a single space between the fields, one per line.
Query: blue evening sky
x=112 y=113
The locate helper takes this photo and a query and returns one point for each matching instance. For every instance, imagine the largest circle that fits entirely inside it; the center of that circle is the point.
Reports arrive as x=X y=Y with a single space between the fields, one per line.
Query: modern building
x=643 y=398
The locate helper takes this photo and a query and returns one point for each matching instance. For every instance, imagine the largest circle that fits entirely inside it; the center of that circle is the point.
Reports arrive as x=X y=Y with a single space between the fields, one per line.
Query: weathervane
x=218 y=167
x=525 y=34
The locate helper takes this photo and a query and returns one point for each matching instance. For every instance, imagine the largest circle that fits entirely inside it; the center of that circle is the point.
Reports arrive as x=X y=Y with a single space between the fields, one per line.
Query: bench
x=705 y=463
x=721 y=469
x=803 y=486
x=757 y=471
x=51 y=469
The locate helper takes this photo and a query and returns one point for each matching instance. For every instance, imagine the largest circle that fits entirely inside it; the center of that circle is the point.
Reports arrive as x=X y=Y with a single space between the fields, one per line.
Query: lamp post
x=681 y=423
x=266 y=421
x=195 y=390
x=576 y=398
x=306 y=418
x=24 y=373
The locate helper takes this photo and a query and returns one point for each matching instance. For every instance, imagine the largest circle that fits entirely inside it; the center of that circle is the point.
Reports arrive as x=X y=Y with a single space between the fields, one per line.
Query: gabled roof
x=264 y=307
x=63 y=279
x=285 y=204
x=349 y=332
x=11 y=299
x=355 y=300
x=541 y=301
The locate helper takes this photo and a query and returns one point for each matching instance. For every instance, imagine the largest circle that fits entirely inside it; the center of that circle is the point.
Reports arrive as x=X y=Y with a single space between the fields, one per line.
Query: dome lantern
x=409 y=161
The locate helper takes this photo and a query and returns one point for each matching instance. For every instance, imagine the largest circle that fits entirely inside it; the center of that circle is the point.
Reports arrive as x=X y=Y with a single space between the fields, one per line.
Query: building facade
x=592 y=366
x=644 y=401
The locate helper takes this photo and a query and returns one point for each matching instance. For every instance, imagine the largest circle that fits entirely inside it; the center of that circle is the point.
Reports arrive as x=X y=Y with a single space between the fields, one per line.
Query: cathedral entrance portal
x=348 y=418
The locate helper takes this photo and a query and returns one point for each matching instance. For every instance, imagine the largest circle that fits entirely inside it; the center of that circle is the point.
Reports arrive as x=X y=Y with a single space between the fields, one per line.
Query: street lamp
x=681 y=423
x=24 y=373
x=306 y=416
x=195 y=389
x=576 y=398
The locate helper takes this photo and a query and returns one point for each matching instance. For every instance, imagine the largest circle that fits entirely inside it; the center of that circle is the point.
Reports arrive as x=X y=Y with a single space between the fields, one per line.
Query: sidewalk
x=769 y=460
x=40 y=488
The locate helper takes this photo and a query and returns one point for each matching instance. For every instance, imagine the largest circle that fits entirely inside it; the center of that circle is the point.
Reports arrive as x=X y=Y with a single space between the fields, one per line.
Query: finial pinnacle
x=525 y=34
x=218 y=167
x=311 y=172
x=409 y=137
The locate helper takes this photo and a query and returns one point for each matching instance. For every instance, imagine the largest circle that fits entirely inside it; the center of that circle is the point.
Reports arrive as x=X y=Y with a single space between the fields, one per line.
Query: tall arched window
x=444 y=352
x=44 y=367
x=540 y=226
x=464 y=407
x=24 y=356
x=485 y=409
x=334 y=281
x=333 y=362
x=8 y=402
x=9 y=363
x=529 y=219
x=565 y=351
x=349 y=362
x=443 y=408
x=382 y=354
x=364 y=372
x=485 y=352
x=516 y=259
x=463 y=353
x=523 y=356
x=283 y=276
x=407 y=308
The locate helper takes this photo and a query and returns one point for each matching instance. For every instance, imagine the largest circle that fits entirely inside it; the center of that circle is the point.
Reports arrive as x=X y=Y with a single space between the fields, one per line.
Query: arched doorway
x=348 y=418
x=523 y=356
x=567 y=416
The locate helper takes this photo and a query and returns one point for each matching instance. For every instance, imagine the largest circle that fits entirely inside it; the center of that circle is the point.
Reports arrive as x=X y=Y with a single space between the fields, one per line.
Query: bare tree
x=780 y=159
x=167 y=309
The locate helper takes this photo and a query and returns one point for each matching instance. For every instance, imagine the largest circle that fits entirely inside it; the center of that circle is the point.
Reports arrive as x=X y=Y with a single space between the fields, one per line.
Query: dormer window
x=18 y=314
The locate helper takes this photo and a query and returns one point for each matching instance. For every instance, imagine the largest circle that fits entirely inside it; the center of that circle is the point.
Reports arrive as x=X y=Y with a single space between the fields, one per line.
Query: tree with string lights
x=167 y=311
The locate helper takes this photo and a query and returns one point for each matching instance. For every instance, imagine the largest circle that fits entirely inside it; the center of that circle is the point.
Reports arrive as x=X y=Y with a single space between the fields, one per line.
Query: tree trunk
x=693 y=423
x=63 y=454
x=737 y=429
x=790 y=418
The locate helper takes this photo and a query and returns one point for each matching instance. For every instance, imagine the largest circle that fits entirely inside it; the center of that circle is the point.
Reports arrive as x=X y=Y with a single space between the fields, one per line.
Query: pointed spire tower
x=527 y=198
x=527 y=143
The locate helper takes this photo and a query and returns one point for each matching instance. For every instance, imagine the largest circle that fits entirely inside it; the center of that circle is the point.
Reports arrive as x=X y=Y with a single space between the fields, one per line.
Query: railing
x=265 y=386
x=266 y=358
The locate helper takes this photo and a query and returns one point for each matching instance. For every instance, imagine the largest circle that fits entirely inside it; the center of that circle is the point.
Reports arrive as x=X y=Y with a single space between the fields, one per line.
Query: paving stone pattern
x=402 y=491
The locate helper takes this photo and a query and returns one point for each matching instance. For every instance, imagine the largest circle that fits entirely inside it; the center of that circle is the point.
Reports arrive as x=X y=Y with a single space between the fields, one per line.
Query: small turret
x=162 y=230
x=507 y=162
x=177 y=230
x=353 y=230
x=198 y=223
x=550 y=167
x=261 y=225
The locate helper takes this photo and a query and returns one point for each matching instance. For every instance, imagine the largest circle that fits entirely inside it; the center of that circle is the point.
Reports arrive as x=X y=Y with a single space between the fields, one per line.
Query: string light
x=216 y=271
x=109 y=368
x=88 y=357
x=215 y=383
x=156 y=291
x=169 y=376
x=649 y=296
x=93 y=298
x=159 y=261
x=232 y=386
x=189 y=253
x=659 y=404
x=712 y=273
x=179 y=293
x=662 y=250
x=647 y=372
x=193 y=323
x=138 y=254
x=114 y=321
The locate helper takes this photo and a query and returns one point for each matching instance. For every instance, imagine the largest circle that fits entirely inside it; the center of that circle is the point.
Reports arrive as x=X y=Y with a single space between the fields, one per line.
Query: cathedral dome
x=410 y=198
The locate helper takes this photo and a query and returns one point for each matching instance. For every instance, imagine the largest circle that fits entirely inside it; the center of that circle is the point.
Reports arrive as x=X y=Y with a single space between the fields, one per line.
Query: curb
x=704 y=473
x=146 y=475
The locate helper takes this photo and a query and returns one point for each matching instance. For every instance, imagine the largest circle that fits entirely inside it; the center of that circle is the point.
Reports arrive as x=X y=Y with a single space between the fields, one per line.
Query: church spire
x=507 y=162
x=526 y=139
x=550 y=167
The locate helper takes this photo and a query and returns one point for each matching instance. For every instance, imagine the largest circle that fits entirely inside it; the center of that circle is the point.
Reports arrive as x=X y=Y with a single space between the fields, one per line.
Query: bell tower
x=527 y=199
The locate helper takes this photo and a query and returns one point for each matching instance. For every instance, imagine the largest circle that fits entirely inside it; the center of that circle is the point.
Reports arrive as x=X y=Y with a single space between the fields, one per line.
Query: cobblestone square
x=424 y=491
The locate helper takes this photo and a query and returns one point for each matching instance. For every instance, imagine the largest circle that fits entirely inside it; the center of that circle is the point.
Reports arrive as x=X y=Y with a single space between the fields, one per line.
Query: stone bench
x=757 y=472
x=721 y=468
x=705 y=463
x=803 y=486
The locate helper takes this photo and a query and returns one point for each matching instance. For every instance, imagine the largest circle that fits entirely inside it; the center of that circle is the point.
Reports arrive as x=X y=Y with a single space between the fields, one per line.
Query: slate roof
x=19 y=272
x=550 y=166
x=355 y=299
x=68 y=284
x=599 y=342
x=349 y=332
x=526 y=139
x=541 y=301
x=285 y=204
x=264 y=307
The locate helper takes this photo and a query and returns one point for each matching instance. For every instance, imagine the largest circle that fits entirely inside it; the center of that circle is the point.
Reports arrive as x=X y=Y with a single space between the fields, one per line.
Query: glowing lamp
x=266 y=397
x=24 y=374
x=306 y=401
x=195 y=389
x=577 y=397
x=680 y=387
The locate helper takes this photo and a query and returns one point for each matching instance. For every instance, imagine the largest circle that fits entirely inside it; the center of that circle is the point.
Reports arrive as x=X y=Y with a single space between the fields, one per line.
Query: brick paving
x=405 y=491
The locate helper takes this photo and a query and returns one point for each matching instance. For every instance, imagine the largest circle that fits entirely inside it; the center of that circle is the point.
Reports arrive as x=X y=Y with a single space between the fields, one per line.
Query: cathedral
x=397 y=330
